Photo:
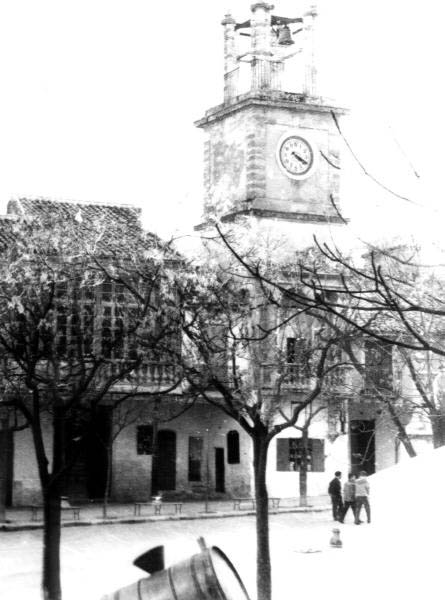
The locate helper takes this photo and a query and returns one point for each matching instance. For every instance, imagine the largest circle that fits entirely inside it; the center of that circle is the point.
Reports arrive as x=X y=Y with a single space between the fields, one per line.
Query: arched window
x=233 y=447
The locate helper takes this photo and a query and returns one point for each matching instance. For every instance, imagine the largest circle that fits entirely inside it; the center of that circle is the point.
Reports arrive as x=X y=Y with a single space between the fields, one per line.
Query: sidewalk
x=91 y=514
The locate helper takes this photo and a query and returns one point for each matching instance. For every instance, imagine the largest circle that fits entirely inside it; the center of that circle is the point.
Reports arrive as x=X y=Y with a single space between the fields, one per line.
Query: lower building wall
x=26 y=483
x=132 y=472
x=286 y=484
x=385 y=432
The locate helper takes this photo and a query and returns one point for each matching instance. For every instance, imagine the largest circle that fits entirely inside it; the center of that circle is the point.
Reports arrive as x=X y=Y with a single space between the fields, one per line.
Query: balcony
x=297 y=377
x=339 y=378
x=152 y=374
x=291 y=376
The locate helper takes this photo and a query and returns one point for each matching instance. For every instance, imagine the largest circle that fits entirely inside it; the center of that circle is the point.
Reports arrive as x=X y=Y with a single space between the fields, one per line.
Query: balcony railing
x=340 y=377
x=290 y=375
x=149 y=374
x=296 y=376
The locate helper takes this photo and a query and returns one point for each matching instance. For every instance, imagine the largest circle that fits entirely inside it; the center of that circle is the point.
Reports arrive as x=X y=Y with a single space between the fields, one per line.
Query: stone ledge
x=274 y=98
x=24 y=526
x=301 y=217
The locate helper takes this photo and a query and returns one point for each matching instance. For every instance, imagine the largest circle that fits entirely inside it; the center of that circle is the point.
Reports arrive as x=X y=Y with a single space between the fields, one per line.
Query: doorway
x=362 y=439
x=164 y=462
x=219 y=470
x=86 y=454
x=6 y=465
x=97 y=440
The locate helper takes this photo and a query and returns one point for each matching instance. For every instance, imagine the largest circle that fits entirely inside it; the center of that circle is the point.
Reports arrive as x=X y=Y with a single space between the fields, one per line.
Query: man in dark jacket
x=334 y=490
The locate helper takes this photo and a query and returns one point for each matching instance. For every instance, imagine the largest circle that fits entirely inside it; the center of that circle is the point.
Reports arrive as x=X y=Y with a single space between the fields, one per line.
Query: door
x=219 y=470
x=86 y=455
x=164 y=462
x=6 y=466
x=362 y=437
x=97 y=441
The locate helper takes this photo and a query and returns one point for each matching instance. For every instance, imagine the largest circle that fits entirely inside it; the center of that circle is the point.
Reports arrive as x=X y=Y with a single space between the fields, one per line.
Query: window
x=291 y=344
x=378 y=366
x=74 y=309
x=297 y=360
x=195 y=458
x=144 y=439
x=296 y=351
x=289 y=298
x=87 y=317
x=233 y=447
x=115 y=305
x=290 y=450
x=61 y=330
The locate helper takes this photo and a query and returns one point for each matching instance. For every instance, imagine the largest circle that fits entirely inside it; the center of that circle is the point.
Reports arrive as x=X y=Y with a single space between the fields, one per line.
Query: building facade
x=272 y=154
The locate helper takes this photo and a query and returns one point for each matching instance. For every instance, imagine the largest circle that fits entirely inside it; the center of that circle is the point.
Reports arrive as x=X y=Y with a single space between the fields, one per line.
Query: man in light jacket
x=349 y=496
x=362 y=497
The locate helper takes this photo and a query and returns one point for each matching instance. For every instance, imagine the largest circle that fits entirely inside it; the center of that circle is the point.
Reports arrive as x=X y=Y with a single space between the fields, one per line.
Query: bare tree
x=233 y=357
x=127 y=410
x=395 y=300
x=63 y=348
x=388 y=296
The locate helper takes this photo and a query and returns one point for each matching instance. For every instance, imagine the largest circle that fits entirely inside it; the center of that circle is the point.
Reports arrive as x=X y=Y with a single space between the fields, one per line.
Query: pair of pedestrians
x=355 y=495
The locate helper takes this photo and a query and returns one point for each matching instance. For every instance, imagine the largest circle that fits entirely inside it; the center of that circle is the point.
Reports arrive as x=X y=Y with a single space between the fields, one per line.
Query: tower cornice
x=270 y=98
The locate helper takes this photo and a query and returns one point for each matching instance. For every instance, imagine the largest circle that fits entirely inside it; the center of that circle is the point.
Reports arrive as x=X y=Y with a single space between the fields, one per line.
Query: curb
x=27 y=526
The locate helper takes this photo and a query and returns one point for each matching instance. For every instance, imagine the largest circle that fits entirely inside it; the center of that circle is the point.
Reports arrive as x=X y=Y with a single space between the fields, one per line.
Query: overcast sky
x=98 y=98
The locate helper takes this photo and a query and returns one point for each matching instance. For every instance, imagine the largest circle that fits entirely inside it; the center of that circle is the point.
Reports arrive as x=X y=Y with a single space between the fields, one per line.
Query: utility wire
x=366 y=172
x=403 y=152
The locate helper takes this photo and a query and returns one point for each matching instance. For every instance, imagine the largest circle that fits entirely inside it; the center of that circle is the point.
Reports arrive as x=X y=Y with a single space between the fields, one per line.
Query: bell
x=284 y=36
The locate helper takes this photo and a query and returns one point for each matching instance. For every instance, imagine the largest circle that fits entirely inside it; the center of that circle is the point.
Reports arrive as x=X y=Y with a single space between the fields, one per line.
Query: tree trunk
x=401 y=431
x=107 y=490
x=264 y=584
x=51 y=544
x=303 y=468
x=51 y=488
x=438 y=428
x=2 y=498
x=154 y=462
x=3 y=466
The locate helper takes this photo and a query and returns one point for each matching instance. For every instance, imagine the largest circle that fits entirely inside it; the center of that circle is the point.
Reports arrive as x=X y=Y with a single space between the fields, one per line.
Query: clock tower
x=272 y=148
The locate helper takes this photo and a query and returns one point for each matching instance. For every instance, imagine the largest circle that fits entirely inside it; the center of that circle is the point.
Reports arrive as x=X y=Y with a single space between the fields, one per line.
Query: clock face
x=295 y=156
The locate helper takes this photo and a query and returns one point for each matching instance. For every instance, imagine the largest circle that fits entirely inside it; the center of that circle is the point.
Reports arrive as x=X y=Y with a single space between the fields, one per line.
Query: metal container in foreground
x=208 y=575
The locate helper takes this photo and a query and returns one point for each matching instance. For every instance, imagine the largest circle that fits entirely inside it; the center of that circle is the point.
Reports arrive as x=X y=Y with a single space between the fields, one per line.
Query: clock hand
x=298 y=157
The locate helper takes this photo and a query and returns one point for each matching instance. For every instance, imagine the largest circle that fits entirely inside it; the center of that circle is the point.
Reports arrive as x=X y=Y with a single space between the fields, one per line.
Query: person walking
x=334 y=490
x=362 y=497
x=348 y=497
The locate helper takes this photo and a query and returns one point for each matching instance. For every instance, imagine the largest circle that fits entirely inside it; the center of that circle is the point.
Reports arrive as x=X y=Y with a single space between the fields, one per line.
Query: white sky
x=98 y=99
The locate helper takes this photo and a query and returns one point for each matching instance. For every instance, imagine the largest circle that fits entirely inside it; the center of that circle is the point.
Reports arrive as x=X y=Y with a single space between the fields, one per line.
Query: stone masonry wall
x=132 y=472
x=26 y=482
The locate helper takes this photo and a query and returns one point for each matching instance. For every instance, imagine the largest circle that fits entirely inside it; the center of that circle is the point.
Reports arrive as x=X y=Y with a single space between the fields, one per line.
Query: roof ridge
x=72 y=202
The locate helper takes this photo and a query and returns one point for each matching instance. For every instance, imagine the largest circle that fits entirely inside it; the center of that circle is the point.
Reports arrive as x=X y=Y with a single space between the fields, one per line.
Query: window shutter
x=291 y=350
x=233 y=447
x=282 y=454
x=317 y=455
x=196 y=445
x=144 y=439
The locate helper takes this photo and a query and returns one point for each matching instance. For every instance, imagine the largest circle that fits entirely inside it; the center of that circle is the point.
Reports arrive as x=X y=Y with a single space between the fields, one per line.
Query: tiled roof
x=120 y=223
x=115 y=214
x=6 y=233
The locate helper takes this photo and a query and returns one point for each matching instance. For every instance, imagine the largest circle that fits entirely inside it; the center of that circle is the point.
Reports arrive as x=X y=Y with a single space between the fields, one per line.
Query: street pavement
x=98 y=559
x=399 y=555
x=92 y=514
